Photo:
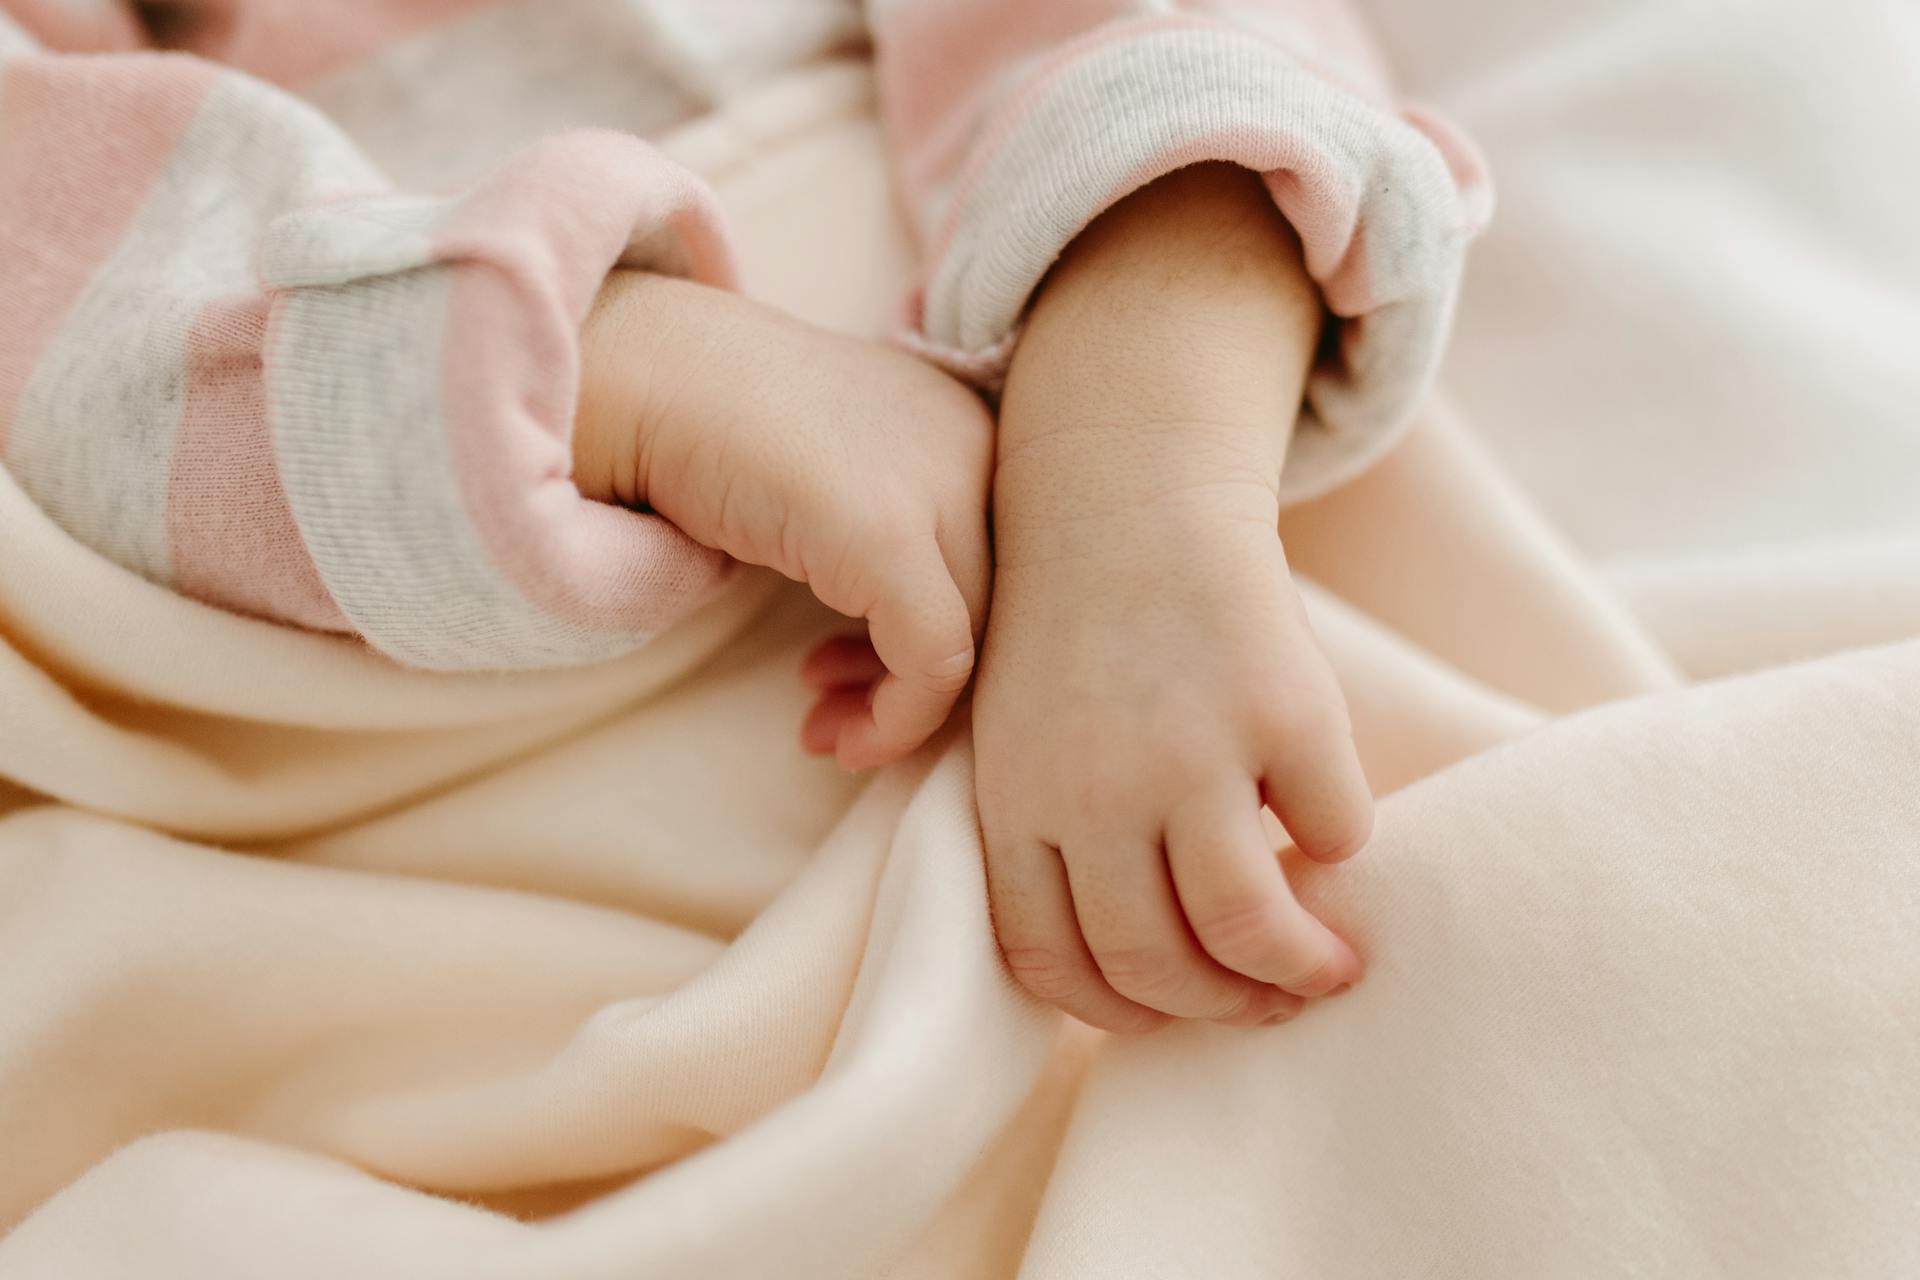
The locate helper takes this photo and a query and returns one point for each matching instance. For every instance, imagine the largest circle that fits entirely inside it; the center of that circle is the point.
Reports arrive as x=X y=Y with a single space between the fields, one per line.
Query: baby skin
x=1148 y=680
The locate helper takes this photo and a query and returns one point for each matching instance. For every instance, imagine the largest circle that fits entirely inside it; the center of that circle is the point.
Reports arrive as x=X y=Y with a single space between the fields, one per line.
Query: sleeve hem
x=1384 y=204
x=422 y=366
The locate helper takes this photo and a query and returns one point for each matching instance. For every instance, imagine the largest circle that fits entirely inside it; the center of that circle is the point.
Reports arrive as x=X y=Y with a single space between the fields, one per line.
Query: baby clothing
x=294 y=290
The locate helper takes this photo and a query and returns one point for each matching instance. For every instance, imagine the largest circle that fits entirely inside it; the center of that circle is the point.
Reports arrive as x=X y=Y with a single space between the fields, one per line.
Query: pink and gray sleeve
x=1013 y=124
x=233 y=361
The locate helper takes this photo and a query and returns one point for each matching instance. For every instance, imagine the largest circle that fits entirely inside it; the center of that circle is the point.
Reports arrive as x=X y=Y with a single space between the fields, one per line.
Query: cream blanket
x=311 y=967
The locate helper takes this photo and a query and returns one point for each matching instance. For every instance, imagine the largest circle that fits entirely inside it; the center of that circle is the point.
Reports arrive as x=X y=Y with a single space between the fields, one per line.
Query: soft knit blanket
x=312 y=967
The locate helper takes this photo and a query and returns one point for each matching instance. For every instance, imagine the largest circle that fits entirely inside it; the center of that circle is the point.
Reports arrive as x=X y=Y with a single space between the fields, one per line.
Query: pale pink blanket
x=319 y=968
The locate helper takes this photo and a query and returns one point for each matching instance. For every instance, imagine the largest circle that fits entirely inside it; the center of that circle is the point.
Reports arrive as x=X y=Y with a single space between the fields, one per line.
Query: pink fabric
x=281 y=41
x=550 y=227
x=940 y=61
x=1010 y=111
x=232 y=536
x=81 y=143
x=1462 y=154
x=1045 y=142
x=64 y=26
x=1323 y=215
x=944 y=69
x=1334 y=24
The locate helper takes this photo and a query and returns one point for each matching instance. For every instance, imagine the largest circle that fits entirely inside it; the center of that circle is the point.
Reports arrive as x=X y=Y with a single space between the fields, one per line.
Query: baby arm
x=1149 y=678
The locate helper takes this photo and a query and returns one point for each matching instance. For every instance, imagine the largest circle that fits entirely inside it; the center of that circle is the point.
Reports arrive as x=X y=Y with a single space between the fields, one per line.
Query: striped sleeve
x=235 y=362
x=1014 y=124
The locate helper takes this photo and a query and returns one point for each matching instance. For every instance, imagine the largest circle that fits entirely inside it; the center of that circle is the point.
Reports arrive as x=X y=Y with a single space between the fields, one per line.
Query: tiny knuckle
x=1272 y=726
x=1098 y=778
x=1239 y=931
x=1045 y=972
x=950 y=674
x=1331 y=718
x=1305 y=719
x=1089 y=793
x=1144 y=974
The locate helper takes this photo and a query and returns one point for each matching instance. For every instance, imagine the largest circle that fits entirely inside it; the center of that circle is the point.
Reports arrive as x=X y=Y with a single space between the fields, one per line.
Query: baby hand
x=844 y=464
x=1149 y=680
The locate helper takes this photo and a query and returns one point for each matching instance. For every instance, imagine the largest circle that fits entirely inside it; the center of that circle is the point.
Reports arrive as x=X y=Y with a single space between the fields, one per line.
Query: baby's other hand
x=1149 y=679
x=842 y=463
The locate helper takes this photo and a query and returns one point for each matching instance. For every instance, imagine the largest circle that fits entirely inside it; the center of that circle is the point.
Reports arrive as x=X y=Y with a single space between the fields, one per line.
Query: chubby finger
x=1040 y=939
x=1235 y=897
x=969 y=557
x=1312 y=780
x=835 y=709
x=922 y=631
x=840 y=661
x=1124 y=899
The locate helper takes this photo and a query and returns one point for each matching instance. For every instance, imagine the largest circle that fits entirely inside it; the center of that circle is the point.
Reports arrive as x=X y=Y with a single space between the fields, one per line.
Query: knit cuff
x=422 y=368
x=1384 y=203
